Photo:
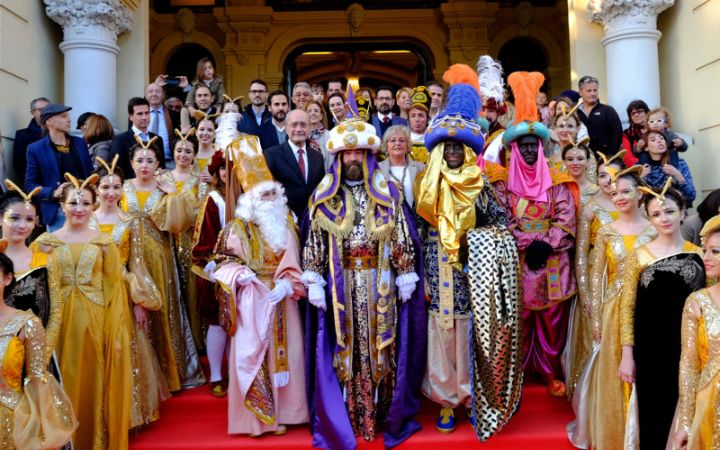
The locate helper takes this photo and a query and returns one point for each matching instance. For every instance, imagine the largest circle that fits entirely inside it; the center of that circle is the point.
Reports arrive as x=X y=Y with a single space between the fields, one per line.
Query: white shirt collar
x=382 y=116
x=136 y=130
x=295 y=147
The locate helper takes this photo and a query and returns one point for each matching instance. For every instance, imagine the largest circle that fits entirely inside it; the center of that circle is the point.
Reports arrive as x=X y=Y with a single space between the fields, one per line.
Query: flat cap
x=53 y=109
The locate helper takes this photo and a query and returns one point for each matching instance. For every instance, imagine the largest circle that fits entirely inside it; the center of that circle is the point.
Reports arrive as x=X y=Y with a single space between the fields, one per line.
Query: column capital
x=639 y=12
x=111 y=15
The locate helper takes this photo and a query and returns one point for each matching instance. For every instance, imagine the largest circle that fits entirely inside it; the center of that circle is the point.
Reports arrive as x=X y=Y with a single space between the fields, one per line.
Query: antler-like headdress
x=145 y=145
x=79 y=186
x=109 y=167
x=27 y=198
x=660 y=196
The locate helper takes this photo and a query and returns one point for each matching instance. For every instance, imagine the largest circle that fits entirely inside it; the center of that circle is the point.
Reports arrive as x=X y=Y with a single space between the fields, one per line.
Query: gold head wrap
x=660 y=196
x=446 y=199
x=145 y=145
x=89 y=181
x=109 y=167
x=27 y=198
x=711 y=226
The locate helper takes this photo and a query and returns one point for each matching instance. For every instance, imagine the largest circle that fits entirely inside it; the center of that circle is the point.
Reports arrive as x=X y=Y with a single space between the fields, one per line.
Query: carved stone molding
x=112 y=15
x=639 y=11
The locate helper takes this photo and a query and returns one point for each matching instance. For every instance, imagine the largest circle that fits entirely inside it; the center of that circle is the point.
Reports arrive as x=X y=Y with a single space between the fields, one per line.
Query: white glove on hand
x=246 y=279
x=282 y=289
x=210 y=270
x=406 y=291
x=316 y=296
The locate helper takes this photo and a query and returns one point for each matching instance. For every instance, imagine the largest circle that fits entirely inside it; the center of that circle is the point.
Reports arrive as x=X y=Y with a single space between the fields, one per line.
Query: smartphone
x=172 y=82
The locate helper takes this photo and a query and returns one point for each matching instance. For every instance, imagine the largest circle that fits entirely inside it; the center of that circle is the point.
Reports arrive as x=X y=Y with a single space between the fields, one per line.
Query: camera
x=174 y=81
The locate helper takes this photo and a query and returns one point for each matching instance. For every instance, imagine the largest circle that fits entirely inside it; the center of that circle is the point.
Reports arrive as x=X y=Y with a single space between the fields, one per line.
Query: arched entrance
x=372 y=63
x=183 y=61
x=524 y=54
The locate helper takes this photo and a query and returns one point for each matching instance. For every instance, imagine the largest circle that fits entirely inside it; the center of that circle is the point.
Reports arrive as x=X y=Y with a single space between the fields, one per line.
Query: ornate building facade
x=94 y=55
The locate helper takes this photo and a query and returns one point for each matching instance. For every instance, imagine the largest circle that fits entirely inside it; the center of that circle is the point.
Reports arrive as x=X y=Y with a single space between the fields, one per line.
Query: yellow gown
x=88 y=330
x=153 y=214
x=580 y=326
x=35 y=413
x=608 y=395
x=149 y=386
x=699 y=403
x=182 y=243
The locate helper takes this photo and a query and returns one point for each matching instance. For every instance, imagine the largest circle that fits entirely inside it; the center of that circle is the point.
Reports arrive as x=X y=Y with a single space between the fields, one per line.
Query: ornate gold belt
x=360 y=262
x=536 y=226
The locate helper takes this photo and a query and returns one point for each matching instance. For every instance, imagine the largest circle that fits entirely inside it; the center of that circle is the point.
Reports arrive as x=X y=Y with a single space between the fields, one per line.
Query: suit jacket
x=43 y=170
x=396 y=120
x=284 y=167
x=23 y=138
x=121 y=144
x=268 y=135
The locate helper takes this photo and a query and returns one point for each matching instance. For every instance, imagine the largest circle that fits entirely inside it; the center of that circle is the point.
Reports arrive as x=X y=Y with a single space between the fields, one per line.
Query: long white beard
x=272 y=218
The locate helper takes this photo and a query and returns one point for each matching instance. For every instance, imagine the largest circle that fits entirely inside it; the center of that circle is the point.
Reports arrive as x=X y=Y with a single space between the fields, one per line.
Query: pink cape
x=529 y=182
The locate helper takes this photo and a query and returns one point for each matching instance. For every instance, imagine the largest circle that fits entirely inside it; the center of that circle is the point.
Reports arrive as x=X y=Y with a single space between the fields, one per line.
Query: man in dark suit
x=163 y=121
x=26 y=136
x=50 y=158
x=257 y=112
x=298 y=169
x=384 y=118
x=139 y=115
x=272 y=132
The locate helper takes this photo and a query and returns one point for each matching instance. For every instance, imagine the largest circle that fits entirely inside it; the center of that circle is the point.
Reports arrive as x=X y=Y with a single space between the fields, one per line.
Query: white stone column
x=90 y=31
x=631 y=49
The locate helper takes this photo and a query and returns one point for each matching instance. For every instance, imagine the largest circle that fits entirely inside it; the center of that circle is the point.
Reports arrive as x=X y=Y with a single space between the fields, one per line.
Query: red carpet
x=195 y=420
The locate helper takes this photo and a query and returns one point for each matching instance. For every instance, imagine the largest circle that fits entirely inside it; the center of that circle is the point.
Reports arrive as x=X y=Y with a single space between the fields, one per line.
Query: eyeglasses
x=654 y=121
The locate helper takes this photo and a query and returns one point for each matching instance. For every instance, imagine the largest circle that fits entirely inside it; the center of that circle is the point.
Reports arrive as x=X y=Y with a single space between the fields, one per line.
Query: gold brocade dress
x=149 y=386
x=34 y=410
x=607 y=395
x=88 y=330
x=30 y=290
x=699 y=403
x=182 y=243
x=153 y=214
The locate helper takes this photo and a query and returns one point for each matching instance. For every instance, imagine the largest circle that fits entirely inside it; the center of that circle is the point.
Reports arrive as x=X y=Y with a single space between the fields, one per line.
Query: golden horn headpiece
x=615 y=175
x=27 y=198
x=233 y=100
x=200 y=115
x=186 y=136
x=566 y=113
x=109 y=167
x=145 y=145
x=89 y=181
x=661 y=195
x=607 y=160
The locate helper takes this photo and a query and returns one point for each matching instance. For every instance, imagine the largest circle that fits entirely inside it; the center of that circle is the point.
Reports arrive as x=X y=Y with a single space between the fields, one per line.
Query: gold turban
x=446 y=199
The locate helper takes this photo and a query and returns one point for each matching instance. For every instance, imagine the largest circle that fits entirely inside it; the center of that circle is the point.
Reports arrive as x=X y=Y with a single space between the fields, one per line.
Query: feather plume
x=490 y=74
x=525 y=86
x=227 y=130
x=461 y=73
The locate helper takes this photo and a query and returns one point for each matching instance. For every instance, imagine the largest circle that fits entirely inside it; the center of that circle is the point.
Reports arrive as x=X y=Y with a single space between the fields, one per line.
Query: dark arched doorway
x=524 y=54
x=184 y=62
x=395 y=64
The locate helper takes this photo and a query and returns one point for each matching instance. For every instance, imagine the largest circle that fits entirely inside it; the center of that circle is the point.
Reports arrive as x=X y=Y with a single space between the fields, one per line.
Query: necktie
x=386 y=120
x=301 y=163
x=156 y=121
x=144 y=137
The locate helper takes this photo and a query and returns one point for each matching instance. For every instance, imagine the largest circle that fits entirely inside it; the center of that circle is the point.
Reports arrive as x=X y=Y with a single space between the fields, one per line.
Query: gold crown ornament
x=248 y=161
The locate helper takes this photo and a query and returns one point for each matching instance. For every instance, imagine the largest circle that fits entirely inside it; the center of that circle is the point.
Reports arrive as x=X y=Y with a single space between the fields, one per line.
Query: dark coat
x=396 y=120
x=249 y=125
x=121 y=144
x=23 y=138
x=43 y=170
x=283 y=165
x=604 y=128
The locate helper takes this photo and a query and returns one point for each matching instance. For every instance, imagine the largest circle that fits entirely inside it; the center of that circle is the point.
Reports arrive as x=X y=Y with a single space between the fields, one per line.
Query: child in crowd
x=660 y=120
x=318 y=93
x=205 y=76
x=542 y=105
x=658 y=166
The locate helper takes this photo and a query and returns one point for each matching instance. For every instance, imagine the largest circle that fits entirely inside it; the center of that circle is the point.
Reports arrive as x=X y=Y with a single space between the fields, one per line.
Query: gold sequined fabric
x=699 y=405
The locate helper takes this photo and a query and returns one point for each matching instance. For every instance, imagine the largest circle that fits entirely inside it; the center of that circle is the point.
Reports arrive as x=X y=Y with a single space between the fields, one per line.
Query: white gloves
x=406 y=284
x=282 y=289
x=245 y=279
x=316 y=296
x=210 y=270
